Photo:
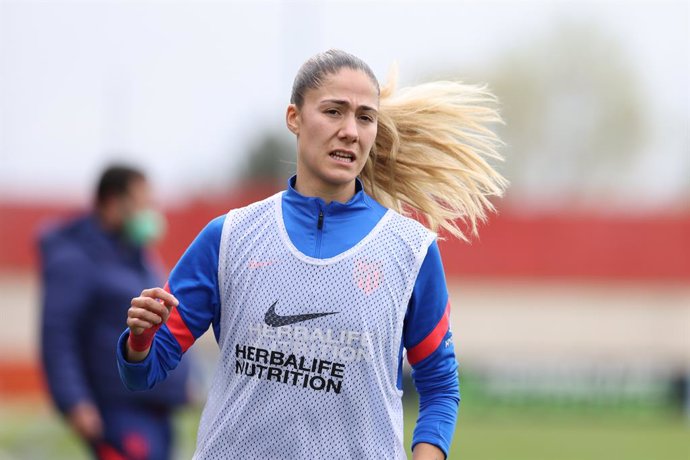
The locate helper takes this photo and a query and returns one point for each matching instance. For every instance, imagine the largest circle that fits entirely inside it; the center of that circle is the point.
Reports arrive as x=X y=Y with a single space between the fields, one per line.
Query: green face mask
x=144 y=227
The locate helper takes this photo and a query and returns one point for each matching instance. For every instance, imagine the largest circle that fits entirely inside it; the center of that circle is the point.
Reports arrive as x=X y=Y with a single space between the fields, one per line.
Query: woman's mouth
x=342 y=156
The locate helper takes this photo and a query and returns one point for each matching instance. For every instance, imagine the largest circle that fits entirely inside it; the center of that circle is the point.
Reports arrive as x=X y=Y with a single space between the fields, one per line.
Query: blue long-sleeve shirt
x=89 y=276
x=318 y=230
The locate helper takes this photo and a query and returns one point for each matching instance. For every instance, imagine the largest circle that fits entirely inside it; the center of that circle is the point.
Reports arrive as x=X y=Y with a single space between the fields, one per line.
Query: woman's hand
x=151 y=308
x=425 y=451
x=86 y=421
x=146 y=314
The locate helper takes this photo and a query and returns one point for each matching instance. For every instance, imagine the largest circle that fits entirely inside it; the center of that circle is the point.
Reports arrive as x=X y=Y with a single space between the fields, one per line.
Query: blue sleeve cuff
x=133 y=375
x=165 y=354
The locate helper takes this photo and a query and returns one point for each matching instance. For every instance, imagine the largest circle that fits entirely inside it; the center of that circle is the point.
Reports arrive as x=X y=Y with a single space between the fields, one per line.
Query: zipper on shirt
x=319 y=233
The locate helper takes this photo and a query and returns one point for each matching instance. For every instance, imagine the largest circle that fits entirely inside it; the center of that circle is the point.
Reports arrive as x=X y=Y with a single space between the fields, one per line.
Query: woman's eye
x=367 y=118
x=332 y=112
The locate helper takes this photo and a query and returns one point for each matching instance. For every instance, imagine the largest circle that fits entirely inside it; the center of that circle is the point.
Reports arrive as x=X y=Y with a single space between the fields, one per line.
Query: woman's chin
x=339 y=178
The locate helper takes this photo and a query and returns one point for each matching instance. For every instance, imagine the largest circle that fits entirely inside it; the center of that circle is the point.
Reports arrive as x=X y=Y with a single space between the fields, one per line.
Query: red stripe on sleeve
x=431 y=341
x=178 y=328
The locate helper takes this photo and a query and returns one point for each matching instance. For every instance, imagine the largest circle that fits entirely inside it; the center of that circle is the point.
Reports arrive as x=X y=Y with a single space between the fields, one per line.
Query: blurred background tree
x=271 y=159
x=575 y=123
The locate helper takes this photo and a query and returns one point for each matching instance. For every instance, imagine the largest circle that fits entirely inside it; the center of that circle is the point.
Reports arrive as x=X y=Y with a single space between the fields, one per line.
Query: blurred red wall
x=581 y=245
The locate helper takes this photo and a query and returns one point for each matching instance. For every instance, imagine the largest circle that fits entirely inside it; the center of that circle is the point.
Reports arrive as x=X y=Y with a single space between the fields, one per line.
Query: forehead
x=353 y=86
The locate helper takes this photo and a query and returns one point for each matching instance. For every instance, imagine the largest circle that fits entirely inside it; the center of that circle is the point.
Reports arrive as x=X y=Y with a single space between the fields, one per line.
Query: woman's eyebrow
x=346 y=103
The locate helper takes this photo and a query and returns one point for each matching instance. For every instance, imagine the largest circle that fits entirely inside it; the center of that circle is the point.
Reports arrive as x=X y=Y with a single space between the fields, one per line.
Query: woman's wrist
x=137 y=348
x=426 y=451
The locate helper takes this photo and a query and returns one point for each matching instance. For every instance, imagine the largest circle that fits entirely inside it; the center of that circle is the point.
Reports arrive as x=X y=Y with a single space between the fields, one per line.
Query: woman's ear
x=292 y=119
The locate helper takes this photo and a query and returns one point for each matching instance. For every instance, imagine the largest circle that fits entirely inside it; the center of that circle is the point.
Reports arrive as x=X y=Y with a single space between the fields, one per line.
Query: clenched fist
x=151 y=308
x=146 y=314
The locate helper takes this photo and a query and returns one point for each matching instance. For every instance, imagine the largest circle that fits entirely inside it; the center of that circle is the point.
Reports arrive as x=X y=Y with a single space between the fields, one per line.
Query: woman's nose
x=348 y=130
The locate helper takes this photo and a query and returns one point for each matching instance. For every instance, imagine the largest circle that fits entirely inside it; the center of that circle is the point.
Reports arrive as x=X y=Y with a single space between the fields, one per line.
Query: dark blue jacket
x=89 y=277
x=318 y=230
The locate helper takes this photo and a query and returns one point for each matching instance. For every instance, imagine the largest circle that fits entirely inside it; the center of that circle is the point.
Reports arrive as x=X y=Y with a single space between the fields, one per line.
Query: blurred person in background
x=314 y=293
x=91 y=268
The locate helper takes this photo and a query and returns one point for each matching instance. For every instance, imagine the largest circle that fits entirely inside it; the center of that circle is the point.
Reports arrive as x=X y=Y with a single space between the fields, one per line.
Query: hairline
x=320 y=80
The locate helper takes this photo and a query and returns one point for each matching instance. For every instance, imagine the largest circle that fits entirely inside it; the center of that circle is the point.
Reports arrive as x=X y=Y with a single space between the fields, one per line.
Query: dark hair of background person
x=115 y=181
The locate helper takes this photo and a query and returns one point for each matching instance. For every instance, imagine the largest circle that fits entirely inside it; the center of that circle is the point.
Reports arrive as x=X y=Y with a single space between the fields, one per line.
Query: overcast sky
x=184 y=88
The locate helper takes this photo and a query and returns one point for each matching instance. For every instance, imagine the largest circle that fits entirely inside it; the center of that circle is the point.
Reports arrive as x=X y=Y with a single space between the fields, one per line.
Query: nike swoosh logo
x=273 y=319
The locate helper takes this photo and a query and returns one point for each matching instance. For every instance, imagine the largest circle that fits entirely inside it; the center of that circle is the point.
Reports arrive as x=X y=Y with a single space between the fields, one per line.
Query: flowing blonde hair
x=431 y=151
x=430 y=156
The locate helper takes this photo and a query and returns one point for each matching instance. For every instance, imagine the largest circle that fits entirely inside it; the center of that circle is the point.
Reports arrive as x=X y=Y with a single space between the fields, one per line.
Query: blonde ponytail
x=429 y=158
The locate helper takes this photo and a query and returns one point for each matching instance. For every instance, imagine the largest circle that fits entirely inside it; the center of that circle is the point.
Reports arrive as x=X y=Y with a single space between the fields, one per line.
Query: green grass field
x=484 y=432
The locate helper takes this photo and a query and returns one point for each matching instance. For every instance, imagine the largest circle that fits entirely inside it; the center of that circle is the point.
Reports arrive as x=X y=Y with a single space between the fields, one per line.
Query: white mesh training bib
x=309 y=347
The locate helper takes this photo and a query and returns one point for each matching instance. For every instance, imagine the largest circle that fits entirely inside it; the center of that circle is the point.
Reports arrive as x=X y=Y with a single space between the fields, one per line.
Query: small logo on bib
x=254 y=264
x=367 y=275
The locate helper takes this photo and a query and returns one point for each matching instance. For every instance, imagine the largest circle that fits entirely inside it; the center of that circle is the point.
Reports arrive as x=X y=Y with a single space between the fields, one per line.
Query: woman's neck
x=341 y=193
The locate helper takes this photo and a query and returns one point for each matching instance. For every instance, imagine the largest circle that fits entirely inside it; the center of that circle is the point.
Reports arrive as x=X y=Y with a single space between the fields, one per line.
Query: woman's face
x=336 y=129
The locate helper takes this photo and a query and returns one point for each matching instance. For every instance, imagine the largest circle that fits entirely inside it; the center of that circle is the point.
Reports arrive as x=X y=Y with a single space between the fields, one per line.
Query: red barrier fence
x=555 y=245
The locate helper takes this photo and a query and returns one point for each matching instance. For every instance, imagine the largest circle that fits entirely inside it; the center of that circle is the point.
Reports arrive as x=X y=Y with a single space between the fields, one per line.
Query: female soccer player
x=314 y=293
